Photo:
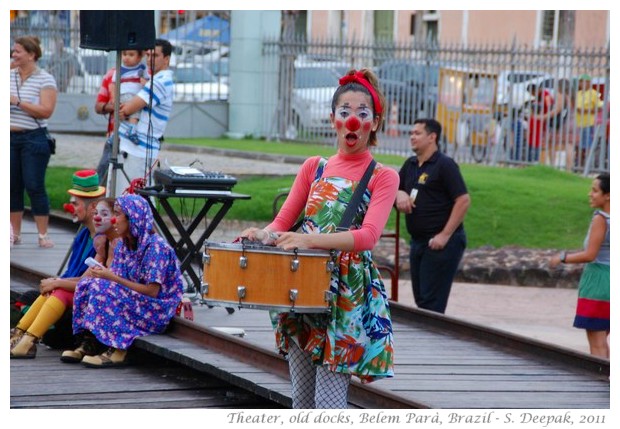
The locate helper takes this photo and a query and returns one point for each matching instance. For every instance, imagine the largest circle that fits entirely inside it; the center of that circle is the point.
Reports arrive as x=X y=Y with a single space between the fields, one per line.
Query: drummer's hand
x=292 y=240
x=250 y=234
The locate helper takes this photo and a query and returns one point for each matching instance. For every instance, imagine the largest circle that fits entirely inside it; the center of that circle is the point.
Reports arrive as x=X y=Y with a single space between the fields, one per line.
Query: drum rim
x=278 y=308
x=261 y=248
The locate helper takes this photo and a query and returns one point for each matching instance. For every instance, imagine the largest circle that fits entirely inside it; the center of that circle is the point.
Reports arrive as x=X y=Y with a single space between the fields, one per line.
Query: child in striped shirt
x=133 y=76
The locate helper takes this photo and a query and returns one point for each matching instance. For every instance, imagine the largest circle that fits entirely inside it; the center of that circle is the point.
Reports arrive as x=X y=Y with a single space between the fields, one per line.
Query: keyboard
x=188 y=179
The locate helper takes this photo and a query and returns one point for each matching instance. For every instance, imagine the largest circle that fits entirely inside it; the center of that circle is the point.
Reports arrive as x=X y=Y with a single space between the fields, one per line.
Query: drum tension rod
x=241 y=294
x=295 y=261
x=331 y=263
x=292 y=296
x=243 y=260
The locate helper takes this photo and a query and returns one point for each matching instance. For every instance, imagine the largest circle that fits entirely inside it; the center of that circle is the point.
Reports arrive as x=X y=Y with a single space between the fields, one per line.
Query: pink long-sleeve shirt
x=383 y=187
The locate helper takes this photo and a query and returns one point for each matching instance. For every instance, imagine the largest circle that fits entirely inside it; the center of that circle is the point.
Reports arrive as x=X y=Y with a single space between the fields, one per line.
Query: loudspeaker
x=116 y=30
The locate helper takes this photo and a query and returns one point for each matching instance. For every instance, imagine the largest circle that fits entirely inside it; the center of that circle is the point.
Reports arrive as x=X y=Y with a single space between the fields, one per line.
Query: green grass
x=533 y=207
x=263 y=146
x=273 y=147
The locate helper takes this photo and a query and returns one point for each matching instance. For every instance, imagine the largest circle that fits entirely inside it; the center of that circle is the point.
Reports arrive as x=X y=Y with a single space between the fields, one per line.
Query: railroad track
x=410 y=321
x=238 y=349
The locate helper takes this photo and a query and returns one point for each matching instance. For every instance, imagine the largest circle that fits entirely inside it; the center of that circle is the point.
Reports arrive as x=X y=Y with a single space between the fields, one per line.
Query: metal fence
x=201 y=68
x=490 y=99
x=498 y=104
x=76 y=70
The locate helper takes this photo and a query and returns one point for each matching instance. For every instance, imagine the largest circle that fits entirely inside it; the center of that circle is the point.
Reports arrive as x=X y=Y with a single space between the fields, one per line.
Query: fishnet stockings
x=315 y=386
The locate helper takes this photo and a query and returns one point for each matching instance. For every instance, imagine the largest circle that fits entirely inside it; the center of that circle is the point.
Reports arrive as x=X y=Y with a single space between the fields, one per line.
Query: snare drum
x=253 y=275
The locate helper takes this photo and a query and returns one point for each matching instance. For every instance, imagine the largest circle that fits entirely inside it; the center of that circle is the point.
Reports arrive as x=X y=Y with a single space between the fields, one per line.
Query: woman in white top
x=33 y=99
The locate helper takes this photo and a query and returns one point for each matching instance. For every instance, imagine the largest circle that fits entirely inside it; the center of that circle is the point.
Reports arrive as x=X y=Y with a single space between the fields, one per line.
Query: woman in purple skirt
x=136 y=296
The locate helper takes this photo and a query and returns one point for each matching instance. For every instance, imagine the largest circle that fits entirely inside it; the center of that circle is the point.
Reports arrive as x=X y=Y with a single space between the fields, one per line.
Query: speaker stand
x=115 y=139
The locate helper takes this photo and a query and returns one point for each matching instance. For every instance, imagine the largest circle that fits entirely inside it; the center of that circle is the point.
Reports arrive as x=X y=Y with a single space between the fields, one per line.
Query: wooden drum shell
x=266 y=279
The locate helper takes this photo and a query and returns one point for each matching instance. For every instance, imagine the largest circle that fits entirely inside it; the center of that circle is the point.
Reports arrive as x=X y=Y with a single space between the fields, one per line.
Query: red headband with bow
x=358 y=77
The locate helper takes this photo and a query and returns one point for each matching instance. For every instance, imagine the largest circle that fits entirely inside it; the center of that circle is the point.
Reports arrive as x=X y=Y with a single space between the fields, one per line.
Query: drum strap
x=356 y=199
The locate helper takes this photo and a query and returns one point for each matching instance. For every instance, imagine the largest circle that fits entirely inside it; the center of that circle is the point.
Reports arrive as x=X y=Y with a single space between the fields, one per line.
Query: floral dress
x=115 y=314
x=356 y=337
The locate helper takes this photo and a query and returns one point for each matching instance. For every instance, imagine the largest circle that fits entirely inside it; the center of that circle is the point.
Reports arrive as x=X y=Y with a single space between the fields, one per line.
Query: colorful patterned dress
x=356 y=338
x=115 y=314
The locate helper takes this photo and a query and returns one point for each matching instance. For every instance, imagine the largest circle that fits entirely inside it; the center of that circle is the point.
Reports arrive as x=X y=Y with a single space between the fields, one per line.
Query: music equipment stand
x=186 y=249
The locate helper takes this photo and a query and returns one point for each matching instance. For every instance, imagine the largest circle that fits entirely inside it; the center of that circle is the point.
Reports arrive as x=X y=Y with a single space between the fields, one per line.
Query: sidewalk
x=545 y=314
x=84 y=151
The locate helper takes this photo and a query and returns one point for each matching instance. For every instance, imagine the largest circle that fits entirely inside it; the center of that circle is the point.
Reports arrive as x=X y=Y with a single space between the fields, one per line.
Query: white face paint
x=77 y=209
x=345 y=111
x=354 y=121
x=102 y=217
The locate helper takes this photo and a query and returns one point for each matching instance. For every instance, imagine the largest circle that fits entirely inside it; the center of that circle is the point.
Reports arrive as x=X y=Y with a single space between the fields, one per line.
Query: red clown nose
x=353 y=124
x=69 y=208
x=112 y=220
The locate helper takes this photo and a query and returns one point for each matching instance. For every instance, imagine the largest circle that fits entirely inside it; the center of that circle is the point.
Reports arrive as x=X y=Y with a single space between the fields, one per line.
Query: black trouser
x=104 y=163
x=432 y=271
x=30 y=155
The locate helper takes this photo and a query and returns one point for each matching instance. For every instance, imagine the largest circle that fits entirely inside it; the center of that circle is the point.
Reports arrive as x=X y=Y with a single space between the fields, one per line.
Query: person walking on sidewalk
x=57 y=292
x=593 y=303
x=434 y=198
x=324 y=351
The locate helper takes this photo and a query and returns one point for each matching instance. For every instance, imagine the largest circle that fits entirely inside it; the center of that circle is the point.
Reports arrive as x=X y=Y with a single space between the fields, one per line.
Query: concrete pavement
x=84 y=151
x=542 y=313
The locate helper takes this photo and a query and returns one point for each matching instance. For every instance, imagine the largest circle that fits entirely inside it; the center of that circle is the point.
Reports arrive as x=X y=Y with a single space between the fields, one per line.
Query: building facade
x=534 y=28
